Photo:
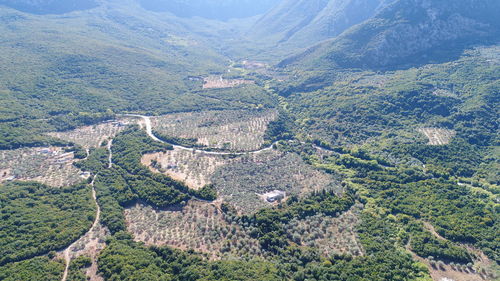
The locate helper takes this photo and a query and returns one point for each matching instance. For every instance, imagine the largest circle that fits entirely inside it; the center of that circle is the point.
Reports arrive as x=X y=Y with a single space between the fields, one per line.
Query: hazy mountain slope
x=49 y=6
x=302 y=23
x=408 y=31
x=212 y=9
x=54 y=68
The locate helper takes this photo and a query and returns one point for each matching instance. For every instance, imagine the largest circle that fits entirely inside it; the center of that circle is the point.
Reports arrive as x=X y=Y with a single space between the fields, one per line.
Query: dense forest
x=37 y=219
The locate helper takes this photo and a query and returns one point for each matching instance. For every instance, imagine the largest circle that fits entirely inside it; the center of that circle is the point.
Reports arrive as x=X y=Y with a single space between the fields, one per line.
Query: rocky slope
x=408 y=32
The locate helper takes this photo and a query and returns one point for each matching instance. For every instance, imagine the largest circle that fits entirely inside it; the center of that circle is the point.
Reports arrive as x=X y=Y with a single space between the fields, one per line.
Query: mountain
x=212 y=9
x=116 y=56
x=408 y=32
x=49 y=6
x=299 y=23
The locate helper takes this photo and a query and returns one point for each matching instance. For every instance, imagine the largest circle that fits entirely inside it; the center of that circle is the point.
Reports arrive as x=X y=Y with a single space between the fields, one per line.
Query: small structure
x=85 y=175
x=11 y=178
x=275 y=196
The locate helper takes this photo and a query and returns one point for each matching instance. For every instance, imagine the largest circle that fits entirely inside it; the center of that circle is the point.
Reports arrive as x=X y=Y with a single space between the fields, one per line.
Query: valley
x=249 y=140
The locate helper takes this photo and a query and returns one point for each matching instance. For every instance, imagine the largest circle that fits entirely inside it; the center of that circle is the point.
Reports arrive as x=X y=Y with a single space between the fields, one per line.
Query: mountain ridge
x=406 y=32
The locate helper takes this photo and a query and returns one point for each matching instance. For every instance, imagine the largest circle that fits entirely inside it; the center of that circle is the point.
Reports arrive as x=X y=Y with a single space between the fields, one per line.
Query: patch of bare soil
x=49 y=165
x=437 y=136
x=214 y=82
x=93 y=136
x=253 y=65
x=235 y=130
x=198 y=226
x=91 y=245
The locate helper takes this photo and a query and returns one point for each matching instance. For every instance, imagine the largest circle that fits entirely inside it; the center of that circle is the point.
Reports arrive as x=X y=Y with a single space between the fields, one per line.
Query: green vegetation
x=270 y=223
x=366 y=192
x=39 y=268
x=77 y=267
x=37 y=219
x=458 y=213
x=124 y=259
x=128 y=181
x=426 y=245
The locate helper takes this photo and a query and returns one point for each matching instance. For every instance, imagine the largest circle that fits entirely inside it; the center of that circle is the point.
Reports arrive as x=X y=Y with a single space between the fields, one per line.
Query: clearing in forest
x=92 y=136
x=217 y=82
x=50 y=165
x=198 y=226
x=235 y=130
x=437 y=136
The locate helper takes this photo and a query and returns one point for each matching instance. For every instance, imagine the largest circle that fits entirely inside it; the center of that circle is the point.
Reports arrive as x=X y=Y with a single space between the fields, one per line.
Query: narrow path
x=66 y=253
x=149 y=131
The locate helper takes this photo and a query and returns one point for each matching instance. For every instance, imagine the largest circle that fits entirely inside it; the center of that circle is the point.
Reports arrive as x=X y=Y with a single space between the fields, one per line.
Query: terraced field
x=198 y=226
x=93 y=136
x=50 y=165
x=240 y=180
x=217 y=82
x=234 y=130
x=331 y=235
x=438 y=136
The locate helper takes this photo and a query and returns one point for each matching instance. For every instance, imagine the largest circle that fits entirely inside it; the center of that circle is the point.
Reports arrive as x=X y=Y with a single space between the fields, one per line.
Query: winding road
x=149 y=131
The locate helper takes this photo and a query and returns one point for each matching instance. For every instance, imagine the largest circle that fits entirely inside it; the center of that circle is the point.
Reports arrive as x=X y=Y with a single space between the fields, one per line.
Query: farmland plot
x=235 y=130
x=242 y=183
x=194 y=169
x=198 y=226
x=437 y=136
x=217 y=82
x=92 y=136
x=51 y=166
x=331 y=235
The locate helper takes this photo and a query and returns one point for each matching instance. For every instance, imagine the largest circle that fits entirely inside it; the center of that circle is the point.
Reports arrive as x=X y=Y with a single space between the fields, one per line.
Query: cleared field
x=198 y=226
x=194 y=169
x=217 y=82
x=93 y=136
x=51 y=166
x=437 y=136
x=331 y=235
x=235 y=130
